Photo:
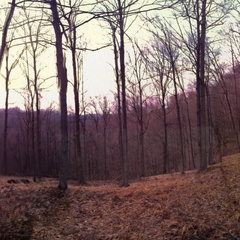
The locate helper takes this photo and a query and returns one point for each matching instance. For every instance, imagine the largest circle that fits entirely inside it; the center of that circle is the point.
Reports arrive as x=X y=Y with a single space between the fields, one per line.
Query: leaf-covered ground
x=174 y=206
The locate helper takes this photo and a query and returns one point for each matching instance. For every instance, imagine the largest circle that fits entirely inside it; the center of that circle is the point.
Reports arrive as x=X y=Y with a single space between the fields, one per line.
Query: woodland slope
x=173 y=206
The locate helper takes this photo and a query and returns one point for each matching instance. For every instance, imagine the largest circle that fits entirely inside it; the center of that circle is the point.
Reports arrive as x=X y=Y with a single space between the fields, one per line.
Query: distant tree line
x=100 y=139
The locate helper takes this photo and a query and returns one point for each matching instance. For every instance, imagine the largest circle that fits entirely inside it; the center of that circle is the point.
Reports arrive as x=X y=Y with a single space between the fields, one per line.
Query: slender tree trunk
x=106 y=173
x=31 y=119
x=231 y=117
x=38 y=165
x=5 y=160
x=62 y=78
x=124 y=102
x=209 y=117
x=236 y=88
x=178 y=117
x=141 y=134
x=230 y=109
x=80 y=170
x=5 y=30
x=165 y=127
x=86 y=165
x=39 y=136
x=105 y=116
x=118 y=93
x=201 y=89
x=33 y=140
x=165 y=142
x=192 y=162
x=2 y=50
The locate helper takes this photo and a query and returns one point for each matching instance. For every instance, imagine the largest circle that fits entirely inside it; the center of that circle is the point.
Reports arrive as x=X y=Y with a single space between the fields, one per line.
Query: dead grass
x=191 y=206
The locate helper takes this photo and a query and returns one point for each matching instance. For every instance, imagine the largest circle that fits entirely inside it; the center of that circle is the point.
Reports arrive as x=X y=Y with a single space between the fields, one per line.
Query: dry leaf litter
x=173 y=206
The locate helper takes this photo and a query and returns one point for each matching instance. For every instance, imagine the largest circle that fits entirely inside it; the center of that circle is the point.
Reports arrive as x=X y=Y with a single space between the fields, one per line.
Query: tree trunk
x=124 y=102
x=62 y=78
x=2 y=50
x=33 y=139
x=80 y=169
x=178 y=117
x=201 y=89
x=5 y=161
x=106 y=173
x=141 y=134
x=38 y=115
x=120 y=140
x=165 y=141
x=5 y=30
x=192 y=162
x=231 y=116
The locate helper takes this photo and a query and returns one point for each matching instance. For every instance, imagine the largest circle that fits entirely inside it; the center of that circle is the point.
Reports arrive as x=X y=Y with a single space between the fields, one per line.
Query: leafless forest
x=176 y=102
x=169 y=128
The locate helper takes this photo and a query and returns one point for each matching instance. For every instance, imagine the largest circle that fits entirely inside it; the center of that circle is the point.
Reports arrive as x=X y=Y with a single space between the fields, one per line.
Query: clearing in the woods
x=173 y=206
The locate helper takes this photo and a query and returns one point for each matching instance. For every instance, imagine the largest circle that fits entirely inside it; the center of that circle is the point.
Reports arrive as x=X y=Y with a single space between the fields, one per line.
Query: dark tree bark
x=5 y=30
x=2 y=50
x=194 y=47
x=178 y=116
x=201 y=88
x=192 y=163
x=62 y=78
x=5 y=161
x=71 y=18
x=119 y=109
x=195 y=14
x=165 y=142
x=124 y=102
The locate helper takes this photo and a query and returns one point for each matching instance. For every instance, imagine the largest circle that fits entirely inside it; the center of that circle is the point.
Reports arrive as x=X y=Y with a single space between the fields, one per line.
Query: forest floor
x=173 y=206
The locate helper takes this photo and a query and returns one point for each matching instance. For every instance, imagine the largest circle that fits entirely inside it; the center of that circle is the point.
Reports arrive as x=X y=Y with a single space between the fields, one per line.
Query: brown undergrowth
x=174 y=206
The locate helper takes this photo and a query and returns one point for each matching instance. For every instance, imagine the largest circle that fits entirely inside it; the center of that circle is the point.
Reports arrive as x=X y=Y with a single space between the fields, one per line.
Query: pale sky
x=98 y=72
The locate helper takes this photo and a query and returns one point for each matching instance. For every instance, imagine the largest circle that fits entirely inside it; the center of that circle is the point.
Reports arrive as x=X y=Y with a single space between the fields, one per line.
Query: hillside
x=174 y=206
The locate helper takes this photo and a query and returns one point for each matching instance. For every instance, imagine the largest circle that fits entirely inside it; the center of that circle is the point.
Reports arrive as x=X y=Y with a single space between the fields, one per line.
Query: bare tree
x=116 y=13
x=34 y=50
x=7 y=82
x=159 y=71
x=104 y=105
x=138 y=86
x=29 y=105
x=62 y=80
x=220 y=76
x=71 y=18
x=171 y=54
x=199 y=17
x=5 y=30
x=192 y=163
x=113 y=23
